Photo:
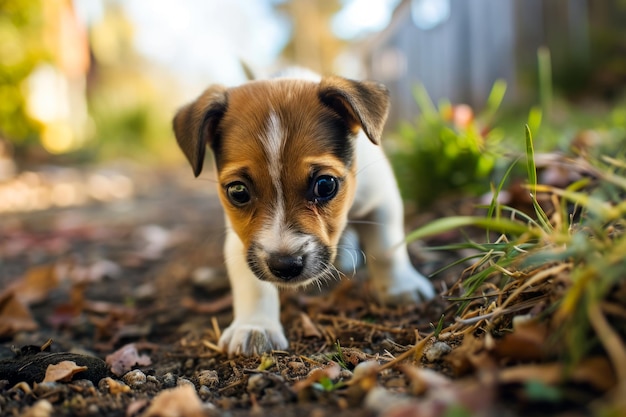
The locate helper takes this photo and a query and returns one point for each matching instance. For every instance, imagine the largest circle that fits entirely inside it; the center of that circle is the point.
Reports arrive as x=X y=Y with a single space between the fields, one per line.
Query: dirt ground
x=145 y=274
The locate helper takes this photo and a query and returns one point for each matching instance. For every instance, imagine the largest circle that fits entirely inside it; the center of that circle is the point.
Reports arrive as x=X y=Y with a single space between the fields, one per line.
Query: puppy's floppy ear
x=363 y=104
x=195 y=125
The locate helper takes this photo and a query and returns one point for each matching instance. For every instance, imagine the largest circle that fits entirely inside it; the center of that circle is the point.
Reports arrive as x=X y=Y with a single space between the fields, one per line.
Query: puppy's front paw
x=407 y=286
x=254 y=338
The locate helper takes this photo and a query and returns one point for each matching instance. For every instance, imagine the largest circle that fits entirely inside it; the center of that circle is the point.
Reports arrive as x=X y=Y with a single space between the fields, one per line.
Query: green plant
x=569 y=251
x=447 y=149
x=338 y=356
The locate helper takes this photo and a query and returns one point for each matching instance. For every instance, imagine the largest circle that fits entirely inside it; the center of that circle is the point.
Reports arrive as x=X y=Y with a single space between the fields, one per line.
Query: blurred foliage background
x=88 y=81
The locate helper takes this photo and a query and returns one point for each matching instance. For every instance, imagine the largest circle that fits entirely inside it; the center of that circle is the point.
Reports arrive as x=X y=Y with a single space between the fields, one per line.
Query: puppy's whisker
x=363 y=167
x=368 y=222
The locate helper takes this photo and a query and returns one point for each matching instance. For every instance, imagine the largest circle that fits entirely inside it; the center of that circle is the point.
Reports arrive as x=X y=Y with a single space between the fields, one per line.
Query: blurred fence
x=458 y=48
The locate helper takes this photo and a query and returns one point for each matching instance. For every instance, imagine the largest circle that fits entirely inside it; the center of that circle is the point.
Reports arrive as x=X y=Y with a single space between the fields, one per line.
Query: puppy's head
x=284 y=152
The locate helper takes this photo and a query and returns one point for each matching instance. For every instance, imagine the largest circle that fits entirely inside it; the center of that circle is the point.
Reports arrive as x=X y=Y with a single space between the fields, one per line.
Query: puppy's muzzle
x=299 y=265
x=285 y=267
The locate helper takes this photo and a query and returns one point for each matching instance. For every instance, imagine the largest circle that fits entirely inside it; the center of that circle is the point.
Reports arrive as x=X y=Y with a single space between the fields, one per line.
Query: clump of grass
x=569 y=254
x=448 y=145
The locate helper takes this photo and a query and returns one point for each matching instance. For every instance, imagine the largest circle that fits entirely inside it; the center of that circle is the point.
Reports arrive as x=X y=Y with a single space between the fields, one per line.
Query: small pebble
x=84 y=384
x=169 y=380
x=208 y=378
x=294 y=368
x=345 y=374
x=42 y=408
x=184 y=381
x=365 y=368
x=46 y=388
x=204 y=392
x=257 y=383
x=437 y=351
x=380 y=400
x=134 y=378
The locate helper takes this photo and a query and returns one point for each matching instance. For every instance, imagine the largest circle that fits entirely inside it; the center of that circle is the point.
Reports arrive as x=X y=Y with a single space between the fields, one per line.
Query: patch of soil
x=148 y=272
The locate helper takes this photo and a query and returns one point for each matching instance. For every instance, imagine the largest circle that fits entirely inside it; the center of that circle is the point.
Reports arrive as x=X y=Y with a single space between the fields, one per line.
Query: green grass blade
x=452 y=223
x=494 y=100
x=531 y=169
x=494 y=200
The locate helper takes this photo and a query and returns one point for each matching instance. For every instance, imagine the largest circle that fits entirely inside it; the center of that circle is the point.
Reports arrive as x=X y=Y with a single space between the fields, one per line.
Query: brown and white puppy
x=297 y=157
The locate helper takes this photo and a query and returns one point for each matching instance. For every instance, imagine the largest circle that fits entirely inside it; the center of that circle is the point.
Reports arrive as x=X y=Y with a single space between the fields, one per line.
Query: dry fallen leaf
x=37 y=283
x=463 y=358
x=424 y=379
x=527 y=342
x=181 y=401
x=62 y=372
x=15 y=316
x=308 y=328
x=125 y=358
x=594 y=371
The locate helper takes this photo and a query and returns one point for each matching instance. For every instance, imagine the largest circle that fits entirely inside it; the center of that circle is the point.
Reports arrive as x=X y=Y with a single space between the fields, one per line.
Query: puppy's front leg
x=256 y=325
x=394 y=279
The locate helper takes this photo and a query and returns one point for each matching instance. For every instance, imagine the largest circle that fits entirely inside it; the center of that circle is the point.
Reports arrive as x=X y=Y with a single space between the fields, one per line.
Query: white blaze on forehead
x=276 y=235
x=273 y=141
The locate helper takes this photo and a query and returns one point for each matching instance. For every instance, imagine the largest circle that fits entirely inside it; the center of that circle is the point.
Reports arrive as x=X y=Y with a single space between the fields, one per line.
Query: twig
x=212 y=346
x=414 y=351
x=538 y=277
x=499 y=311
x=356 y=322
x=216 y=328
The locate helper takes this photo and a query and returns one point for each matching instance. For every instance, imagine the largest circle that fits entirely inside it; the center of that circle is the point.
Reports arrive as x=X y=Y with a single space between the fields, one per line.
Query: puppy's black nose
x=285 y=267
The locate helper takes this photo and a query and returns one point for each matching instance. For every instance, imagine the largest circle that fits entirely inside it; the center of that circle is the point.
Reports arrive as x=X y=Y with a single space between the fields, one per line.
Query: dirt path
x=146 y=273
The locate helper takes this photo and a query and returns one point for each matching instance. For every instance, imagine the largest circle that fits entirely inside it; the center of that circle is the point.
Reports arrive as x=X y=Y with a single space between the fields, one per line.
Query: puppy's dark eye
x=324 y=188
x=238 y=193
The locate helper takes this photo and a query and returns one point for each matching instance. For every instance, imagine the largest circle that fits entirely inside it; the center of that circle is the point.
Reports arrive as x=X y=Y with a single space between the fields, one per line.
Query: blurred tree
x=21 y=49
x=313 y=44
x=129 y=96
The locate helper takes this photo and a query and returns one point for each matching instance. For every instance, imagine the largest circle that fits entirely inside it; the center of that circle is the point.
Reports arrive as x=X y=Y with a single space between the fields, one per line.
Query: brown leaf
x=463 y=358
x=526 y=343
x=62 y=372
x=424 y=379
x=37 y=283
x=181 y=401
x=594 y=371
x=125 y=358
x=15 y=316
x=308 y=328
